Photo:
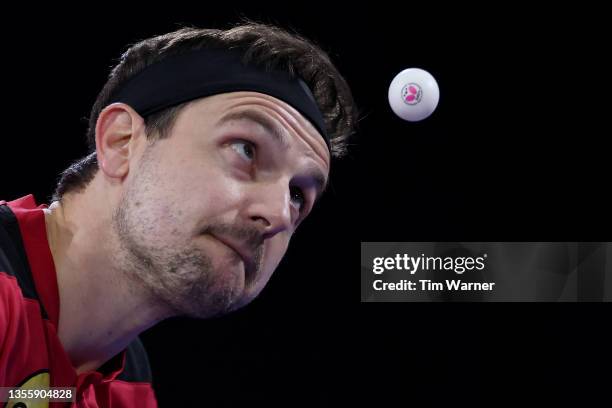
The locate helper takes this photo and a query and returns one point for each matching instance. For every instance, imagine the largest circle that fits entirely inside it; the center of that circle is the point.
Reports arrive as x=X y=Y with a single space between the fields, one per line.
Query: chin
x=250 y=289
x=243 y=301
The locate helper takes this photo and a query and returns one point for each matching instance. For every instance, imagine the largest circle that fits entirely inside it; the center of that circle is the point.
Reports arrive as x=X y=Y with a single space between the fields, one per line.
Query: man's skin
x=151 y=236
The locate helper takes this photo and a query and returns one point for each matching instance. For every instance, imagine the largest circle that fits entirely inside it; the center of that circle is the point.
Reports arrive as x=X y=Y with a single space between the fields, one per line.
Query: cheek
x=198 y=188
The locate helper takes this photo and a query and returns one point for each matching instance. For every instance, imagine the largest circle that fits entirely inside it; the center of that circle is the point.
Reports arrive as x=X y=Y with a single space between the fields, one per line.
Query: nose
x=270 y=208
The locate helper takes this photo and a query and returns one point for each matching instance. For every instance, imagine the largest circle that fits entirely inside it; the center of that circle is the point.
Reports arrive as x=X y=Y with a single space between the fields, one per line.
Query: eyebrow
x=277 y=132
x=280 y=135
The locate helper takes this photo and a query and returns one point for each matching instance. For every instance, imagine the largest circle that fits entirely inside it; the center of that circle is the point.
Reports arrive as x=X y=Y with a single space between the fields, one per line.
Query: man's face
x=207 y=213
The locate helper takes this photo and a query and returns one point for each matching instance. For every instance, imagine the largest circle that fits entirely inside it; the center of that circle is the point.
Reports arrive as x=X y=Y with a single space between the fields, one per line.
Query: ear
x=117 y=128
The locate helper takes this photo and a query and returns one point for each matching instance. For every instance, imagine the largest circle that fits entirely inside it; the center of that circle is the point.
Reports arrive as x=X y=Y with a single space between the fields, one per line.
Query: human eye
x=298 y=197
x=245 y=149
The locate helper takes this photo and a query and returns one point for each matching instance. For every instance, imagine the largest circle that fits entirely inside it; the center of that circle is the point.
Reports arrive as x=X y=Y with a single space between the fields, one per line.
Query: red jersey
x=31 y=355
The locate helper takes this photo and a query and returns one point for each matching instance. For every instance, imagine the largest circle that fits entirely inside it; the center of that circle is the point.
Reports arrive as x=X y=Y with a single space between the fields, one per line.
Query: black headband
x=207 y=72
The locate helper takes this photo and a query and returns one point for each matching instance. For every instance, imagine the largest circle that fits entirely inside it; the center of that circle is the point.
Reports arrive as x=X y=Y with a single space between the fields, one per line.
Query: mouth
x=244 y=254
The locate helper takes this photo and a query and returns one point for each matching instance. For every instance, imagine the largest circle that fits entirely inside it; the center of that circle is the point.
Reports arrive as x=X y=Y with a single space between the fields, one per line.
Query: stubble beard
x=175 y=274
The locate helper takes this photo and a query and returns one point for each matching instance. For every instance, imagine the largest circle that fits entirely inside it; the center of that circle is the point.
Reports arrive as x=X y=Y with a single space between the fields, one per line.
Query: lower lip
x=229 y=247
x=247 y=272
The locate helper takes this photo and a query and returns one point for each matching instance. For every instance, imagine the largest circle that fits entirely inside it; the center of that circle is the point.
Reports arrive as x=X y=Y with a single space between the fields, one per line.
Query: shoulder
x=14 y=264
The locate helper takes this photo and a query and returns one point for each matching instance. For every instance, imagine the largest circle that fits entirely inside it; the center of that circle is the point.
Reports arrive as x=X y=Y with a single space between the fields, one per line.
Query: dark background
x=518 y=149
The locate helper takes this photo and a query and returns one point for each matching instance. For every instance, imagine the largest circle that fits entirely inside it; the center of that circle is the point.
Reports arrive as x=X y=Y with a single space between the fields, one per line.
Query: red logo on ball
x=412 y=94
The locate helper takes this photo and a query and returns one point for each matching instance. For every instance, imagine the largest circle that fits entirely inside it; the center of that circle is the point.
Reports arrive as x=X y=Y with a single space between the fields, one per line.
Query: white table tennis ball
x=413 y=94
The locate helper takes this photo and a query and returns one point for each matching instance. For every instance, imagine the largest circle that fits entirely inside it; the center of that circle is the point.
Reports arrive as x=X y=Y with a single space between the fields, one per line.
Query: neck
x=101 y=308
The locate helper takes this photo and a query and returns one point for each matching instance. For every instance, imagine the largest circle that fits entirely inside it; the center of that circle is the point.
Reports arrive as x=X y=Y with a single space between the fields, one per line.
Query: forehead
x=285 y=124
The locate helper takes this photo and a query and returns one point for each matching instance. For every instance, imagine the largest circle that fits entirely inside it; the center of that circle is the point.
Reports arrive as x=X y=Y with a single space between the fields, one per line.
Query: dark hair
x=262 y=45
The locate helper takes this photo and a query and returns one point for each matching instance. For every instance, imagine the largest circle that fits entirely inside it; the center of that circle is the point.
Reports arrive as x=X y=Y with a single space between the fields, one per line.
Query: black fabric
x=207 y=72
x=137 y=367
x=13 y=258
